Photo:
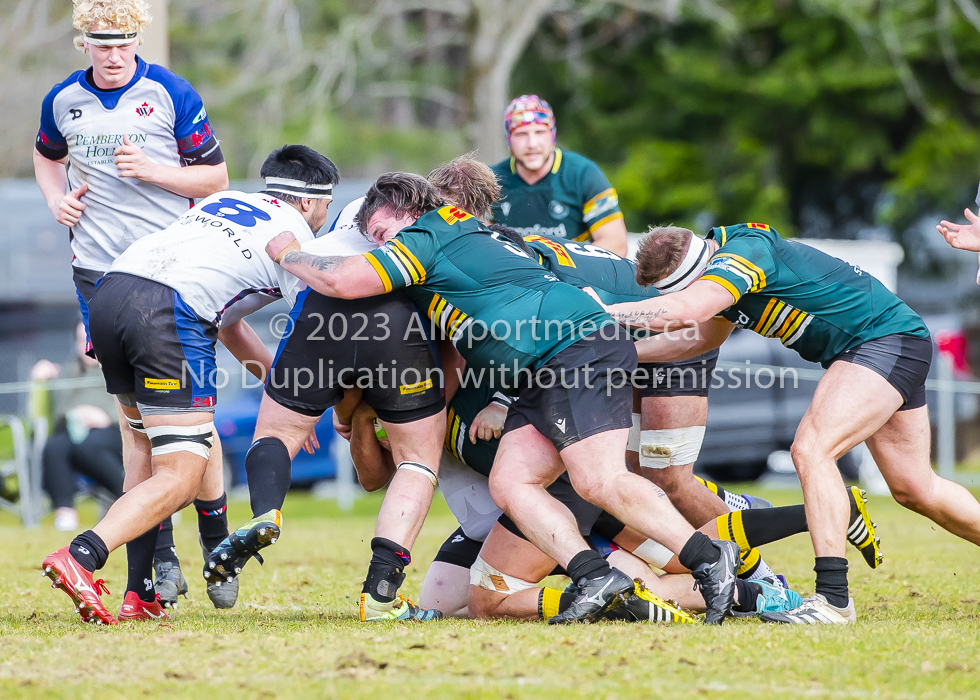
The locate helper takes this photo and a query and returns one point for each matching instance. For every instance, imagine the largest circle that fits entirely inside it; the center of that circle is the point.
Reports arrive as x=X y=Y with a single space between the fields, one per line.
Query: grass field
x=294 y=632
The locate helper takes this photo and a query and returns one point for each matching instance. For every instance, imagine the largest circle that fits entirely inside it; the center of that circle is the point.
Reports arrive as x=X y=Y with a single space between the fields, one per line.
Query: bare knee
x=484 y=604
x=914 y=495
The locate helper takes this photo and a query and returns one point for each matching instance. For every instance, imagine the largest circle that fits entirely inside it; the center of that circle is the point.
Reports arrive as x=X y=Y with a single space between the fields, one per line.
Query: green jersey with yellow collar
x=814 y=303
x=571 y=201
x=495 y=303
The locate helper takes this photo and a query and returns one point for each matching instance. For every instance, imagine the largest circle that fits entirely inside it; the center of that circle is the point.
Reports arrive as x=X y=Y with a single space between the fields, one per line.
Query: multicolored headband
x=529 y=109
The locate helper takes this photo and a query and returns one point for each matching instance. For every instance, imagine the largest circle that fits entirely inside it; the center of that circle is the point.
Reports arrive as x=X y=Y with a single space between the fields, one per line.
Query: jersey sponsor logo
x=557 y=210
x=104 y=145
x=558 y=231
x=761 y=227
x=236 y=211
x=201 y=116
x=416 y=388
x=161 y=385
x=505 y=208
x=453 y=214
x=144 y=110
x=560 y=252
x=75 y=113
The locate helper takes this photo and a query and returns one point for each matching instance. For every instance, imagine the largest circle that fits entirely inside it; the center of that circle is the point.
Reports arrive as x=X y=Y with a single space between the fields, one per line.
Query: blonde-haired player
x=138 y=149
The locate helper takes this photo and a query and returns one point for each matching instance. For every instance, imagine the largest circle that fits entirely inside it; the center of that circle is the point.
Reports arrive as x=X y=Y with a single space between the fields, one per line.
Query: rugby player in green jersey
x=876 y=350
x=507 y=315
x=670 y=399
x=551 y=191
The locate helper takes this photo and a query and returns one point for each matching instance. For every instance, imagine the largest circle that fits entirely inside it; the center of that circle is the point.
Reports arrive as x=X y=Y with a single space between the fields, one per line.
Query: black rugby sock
x=139 y=559
x=89 y=551
x=697 y=551
x=165 y=549
x=587 y=565
x=747 y=593
x=386 y=572
x=212 y=520
x=268 y=470
x=832 y=580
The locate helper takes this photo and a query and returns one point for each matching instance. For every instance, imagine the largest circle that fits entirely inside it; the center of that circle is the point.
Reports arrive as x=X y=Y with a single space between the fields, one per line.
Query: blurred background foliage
x=830 y=118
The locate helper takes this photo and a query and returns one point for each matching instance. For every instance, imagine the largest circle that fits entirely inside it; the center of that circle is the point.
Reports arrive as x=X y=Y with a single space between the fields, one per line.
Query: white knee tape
x=654 y=553
x=421 y=469
x=660 y=449
x=482 y=575
x=165 y=439
x=633 y=443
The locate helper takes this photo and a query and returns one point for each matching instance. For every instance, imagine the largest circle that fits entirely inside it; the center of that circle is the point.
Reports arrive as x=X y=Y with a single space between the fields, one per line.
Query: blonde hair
x=124 y=15
x=468 y=183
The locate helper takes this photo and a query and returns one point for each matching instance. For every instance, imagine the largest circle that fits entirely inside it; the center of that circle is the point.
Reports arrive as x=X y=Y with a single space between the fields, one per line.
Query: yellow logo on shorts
x=416 y=387
x=162 y=384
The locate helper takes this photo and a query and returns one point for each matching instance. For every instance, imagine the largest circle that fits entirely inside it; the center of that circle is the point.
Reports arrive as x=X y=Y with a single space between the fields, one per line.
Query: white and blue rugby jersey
x=162 y=114
x=214 y=255
x=343 y=238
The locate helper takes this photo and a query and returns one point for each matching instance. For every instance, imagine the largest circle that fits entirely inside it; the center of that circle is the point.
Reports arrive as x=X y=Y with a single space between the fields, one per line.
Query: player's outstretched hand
x=70 y=207
x=489 y=423
x=280 y=245
x=962 y=236
x=132 y=162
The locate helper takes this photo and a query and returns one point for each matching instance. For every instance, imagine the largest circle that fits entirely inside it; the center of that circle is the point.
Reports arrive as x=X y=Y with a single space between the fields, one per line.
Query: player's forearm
x=192 y=181
x=671 y=347
x=657 y=314
x=375 y=466
x=612 y=237
x=244 y=343
x=321 y=273
x=51 y=178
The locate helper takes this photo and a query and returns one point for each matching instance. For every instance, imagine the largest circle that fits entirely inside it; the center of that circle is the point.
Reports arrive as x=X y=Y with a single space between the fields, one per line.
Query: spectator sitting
x=85 y=438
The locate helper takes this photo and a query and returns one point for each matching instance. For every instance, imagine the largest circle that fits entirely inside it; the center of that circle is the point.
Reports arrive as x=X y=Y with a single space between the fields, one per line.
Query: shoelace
x=100 y=587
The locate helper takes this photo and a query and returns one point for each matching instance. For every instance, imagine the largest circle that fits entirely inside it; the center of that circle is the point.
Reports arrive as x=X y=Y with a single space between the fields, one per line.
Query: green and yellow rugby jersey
x=495 y=303
x=466 y=404
x=584 y=265
x=814 y=303
x=570 y=202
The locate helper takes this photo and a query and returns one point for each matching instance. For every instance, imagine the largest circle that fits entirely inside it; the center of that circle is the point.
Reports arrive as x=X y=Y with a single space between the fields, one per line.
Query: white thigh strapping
x=482 y=575
x=167 y=439
x=660 y=449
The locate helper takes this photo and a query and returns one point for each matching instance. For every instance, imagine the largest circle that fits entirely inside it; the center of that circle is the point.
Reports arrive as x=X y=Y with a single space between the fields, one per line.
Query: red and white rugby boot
x=68 y=575
x=134 y=608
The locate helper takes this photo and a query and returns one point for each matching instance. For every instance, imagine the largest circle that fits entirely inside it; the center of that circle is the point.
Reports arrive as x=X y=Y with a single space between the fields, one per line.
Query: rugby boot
x=134 y=608
x=400 y=608
x=644 y=606
x=772 y=599
x=222 y=594
x=76 y=581
x=815 y=610
x=717 y=582
x=595 y=597
x=169 y=583
x=227 y=560
x=861 y=531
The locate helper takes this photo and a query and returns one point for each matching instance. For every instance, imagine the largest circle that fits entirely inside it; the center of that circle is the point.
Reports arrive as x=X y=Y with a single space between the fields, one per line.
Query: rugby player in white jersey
x=138 y=148
x=154 y=321
x=370 y=341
